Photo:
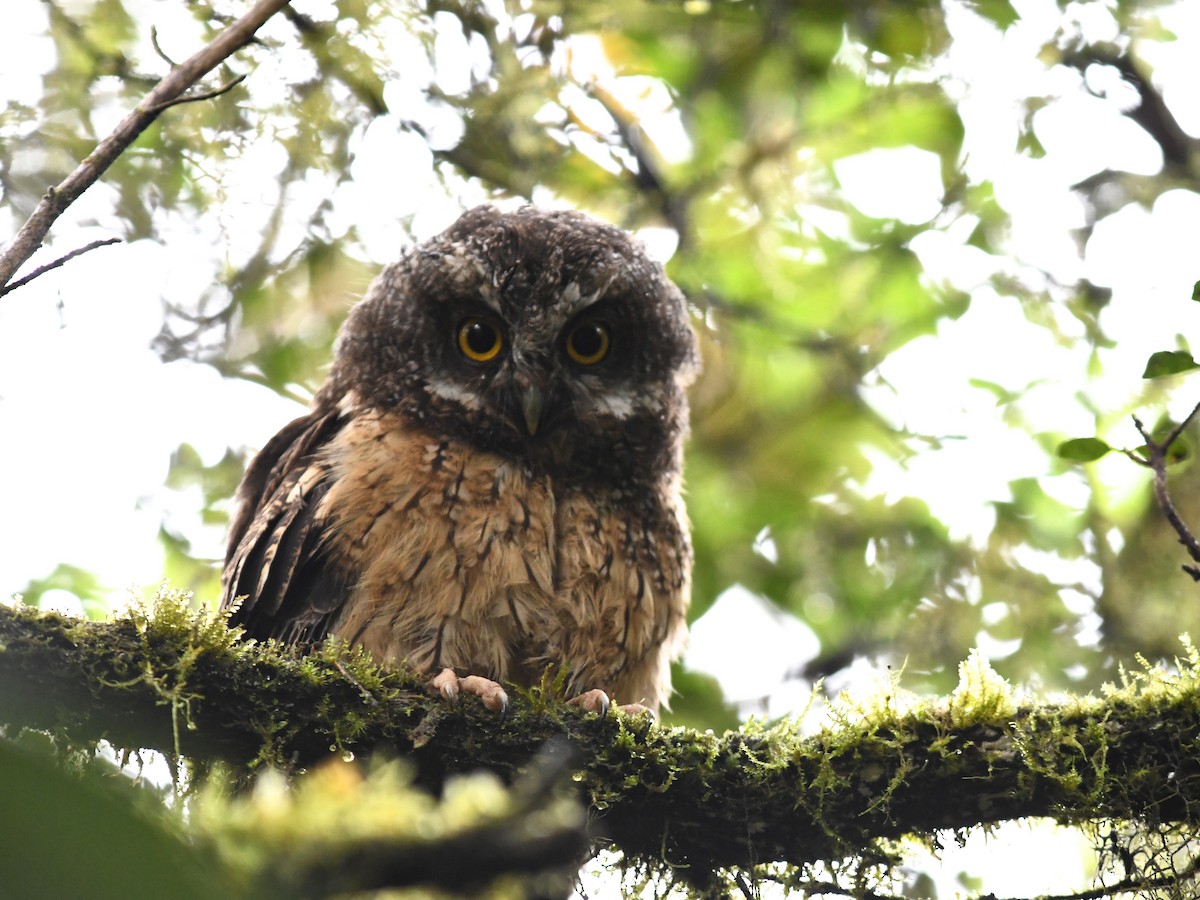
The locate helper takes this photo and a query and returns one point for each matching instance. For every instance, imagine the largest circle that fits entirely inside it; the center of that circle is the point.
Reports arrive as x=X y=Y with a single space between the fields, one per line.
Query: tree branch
x=677 y=797
x=1151 y=113
x=165 y=94
x=1156 y=460
x=203 y=95
x=42 y=270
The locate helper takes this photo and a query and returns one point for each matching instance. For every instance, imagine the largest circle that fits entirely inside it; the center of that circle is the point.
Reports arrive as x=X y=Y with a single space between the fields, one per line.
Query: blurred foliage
x=72 y=834
x=75 y=581
x=214 y=485
x=721 y=124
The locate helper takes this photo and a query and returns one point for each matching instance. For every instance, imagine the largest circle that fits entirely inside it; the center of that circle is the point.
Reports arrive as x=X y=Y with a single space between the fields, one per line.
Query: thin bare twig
x=1156 y=460
x=1134 y=884
x=206 y=95
x=367 y=696
x=163 y=95
x=42 y=270
x=158 y=48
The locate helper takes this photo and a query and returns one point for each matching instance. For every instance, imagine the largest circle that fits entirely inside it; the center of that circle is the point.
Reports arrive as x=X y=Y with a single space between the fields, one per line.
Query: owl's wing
x=277 y=577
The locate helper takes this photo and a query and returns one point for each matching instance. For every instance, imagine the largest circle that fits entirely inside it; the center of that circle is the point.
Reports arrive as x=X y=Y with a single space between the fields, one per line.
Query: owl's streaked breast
x=466 y=558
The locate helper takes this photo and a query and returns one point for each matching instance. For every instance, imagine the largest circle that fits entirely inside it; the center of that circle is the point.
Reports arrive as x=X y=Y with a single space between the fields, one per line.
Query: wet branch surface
x=672 y=795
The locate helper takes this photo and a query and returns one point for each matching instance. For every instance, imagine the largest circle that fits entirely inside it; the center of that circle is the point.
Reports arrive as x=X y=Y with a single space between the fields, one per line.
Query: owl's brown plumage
x=490 y=478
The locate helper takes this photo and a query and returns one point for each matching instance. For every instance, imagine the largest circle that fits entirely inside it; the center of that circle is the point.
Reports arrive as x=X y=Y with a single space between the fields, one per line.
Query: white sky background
x=89 y=416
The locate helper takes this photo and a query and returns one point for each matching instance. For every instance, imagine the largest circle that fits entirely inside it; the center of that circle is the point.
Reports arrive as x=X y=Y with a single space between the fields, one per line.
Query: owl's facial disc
x=494 y=375
x=524 y=376
x=543 y=336
x=536 y=387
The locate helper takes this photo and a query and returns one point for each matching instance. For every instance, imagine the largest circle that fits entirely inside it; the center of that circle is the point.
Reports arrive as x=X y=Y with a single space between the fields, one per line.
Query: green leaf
x=1083 y=449
x=1169 y=362
x=1196 y=291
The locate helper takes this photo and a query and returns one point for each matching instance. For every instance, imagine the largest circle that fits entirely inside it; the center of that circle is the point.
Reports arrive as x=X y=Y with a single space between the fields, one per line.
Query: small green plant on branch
x=892 y=766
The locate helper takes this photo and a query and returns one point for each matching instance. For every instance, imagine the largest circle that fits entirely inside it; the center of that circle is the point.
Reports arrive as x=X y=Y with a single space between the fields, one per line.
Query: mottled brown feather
x=275 y=574
x=416 y=512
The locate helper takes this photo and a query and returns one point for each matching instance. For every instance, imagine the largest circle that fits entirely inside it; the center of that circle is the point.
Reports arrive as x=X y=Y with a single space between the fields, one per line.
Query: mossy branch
x=179 y=682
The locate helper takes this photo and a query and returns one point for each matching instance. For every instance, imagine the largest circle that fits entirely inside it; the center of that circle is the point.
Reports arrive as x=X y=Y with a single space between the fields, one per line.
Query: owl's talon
x=445 y=683
x=450 y=686
x=489 y=692
x=636 y=709
x=593 y=701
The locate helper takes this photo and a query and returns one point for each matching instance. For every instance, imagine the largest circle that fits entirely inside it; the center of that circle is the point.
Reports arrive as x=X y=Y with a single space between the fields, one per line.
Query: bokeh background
x=924 y=244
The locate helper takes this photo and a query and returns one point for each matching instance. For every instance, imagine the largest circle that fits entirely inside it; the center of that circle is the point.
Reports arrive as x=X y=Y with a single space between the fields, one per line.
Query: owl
x=488 y=484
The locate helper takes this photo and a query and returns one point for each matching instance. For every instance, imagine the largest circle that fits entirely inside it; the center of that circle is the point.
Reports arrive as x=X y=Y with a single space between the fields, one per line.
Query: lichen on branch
x=168 y=678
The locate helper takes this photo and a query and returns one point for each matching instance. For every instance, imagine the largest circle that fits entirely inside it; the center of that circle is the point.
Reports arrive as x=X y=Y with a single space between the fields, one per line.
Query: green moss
x=887 y=766
x=982 y=696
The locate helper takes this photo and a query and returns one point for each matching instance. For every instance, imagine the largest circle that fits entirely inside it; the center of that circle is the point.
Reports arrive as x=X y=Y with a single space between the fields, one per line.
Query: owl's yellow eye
x=479 y=340
x=587 y=344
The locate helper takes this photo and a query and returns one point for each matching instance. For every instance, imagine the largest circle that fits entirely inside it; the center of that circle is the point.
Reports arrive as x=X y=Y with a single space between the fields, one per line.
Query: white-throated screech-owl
x=489 y=482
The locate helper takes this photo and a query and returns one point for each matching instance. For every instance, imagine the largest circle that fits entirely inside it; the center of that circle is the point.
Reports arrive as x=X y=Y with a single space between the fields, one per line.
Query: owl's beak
x=532 y=399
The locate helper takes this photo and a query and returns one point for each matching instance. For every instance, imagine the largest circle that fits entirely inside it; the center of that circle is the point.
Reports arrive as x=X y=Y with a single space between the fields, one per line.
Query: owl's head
x=545 y=335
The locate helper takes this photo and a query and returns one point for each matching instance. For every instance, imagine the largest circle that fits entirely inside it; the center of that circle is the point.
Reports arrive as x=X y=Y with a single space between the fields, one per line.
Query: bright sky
x=89 y=415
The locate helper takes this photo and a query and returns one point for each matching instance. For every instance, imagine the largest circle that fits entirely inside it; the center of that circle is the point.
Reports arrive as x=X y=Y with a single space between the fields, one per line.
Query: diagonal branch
x=164 y=94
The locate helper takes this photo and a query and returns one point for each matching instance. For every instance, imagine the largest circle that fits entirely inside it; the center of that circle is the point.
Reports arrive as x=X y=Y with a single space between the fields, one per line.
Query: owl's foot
x=596 y=701
x=593 y=701
x=636 y=709
x=451 y=687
